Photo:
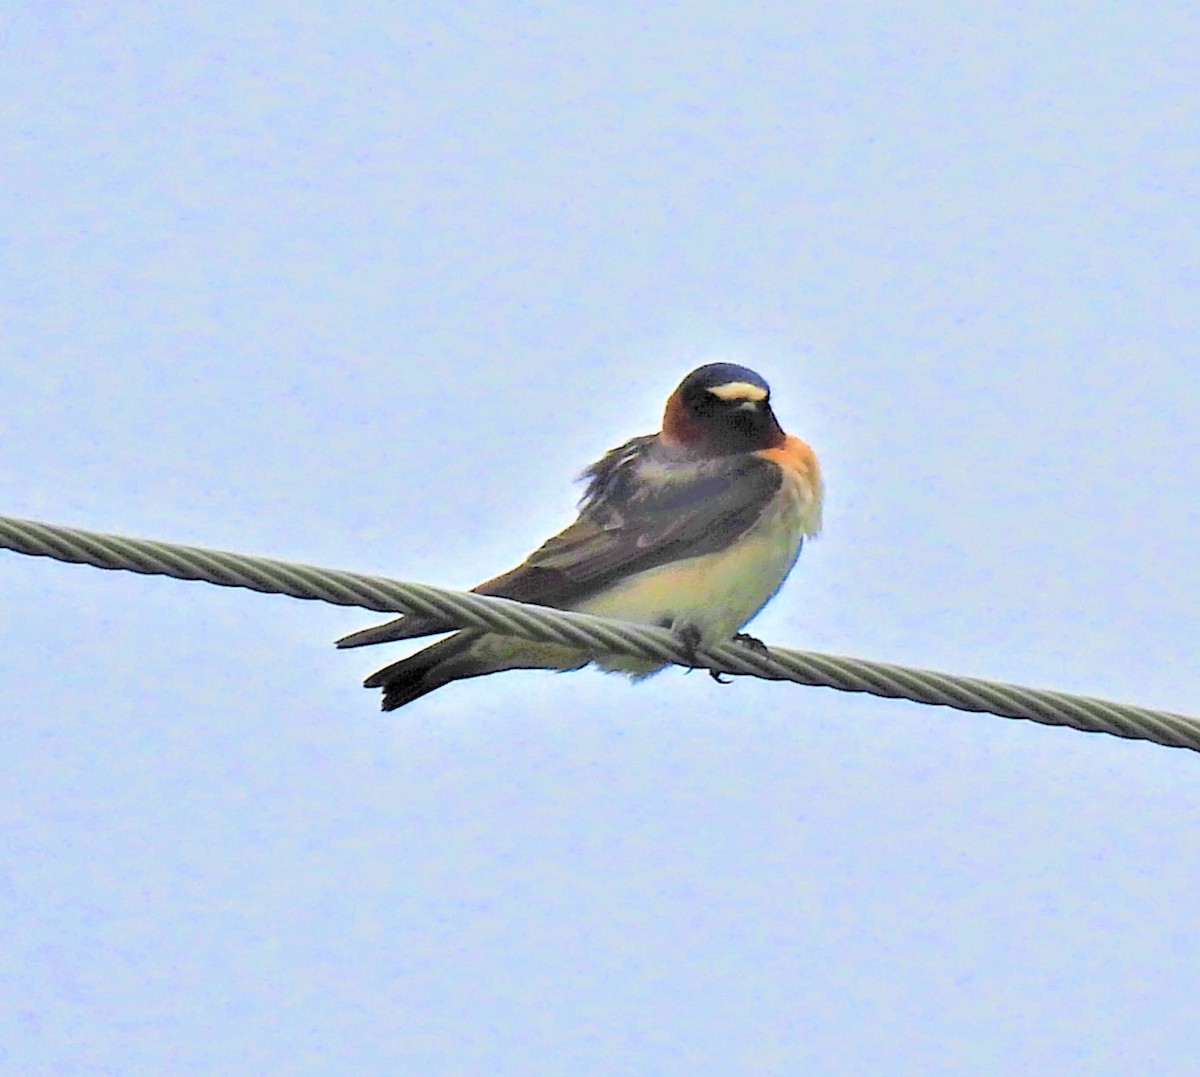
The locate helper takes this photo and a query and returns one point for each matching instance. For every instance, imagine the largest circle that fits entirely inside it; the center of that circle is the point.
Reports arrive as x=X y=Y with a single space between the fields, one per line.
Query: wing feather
x=632 y=523
x=638 y=512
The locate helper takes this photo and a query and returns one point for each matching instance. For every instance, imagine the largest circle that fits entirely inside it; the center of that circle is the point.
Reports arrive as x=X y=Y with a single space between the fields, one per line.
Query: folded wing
x=637 y=515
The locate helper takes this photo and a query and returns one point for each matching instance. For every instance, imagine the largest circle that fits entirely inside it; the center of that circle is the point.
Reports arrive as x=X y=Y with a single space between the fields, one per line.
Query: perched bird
x=693 y=529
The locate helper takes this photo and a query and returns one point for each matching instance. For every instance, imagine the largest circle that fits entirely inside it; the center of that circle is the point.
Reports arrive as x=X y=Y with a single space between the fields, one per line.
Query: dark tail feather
x=407 y=627
x=421 y=673
x=412 y=626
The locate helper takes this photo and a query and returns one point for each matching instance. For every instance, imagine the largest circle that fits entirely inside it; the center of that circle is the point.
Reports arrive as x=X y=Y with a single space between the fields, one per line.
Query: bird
x=693 y=529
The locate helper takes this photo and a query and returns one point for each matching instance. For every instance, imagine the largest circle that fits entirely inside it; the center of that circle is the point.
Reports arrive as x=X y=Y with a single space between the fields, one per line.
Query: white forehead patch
x=739 y=390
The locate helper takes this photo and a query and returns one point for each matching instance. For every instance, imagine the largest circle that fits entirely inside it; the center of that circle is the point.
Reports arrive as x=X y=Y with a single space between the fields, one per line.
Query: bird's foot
x=690 y=636
x=753 y=642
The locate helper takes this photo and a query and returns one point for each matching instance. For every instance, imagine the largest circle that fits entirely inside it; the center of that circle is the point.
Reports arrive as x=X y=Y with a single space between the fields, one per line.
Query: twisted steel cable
x=597 y=635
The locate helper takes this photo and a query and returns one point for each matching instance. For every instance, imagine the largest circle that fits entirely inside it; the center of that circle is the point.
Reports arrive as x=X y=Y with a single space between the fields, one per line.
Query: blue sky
x=367 y=286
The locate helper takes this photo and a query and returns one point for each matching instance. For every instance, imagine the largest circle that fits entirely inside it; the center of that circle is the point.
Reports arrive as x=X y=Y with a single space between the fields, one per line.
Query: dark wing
x=632 y=527
x=637 y=515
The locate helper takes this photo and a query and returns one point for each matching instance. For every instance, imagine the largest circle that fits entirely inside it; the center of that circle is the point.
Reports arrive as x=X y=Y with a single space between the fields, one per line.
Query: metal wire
x=595 y=635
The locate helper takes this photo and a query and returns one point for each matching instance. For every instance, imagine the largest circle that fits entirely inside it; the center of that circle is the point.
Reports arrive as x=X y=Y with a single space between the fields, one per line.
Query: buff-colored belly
x=716 y=593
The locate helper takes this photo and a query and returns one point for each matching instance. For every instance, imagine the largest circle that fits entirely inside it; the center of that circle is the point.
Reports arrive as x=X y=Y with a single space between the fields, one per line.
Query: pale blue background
x=366 y=285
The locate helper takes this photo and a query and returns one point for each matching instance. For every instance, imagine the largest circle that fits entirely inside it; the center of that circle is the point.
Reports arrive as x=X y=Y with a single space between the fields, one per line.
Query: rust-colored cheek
x=678 y=426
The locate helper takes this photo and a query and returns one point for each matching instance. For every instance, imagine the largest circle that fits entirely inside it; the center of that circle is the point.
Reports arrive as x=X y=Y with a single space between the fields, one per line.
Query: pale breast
x=719 y=592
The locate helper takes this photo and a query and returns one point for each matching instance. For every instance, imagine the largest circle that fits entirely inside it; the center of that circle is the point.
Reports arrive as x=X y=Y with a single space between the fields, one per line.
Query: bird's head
x=720 y=409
